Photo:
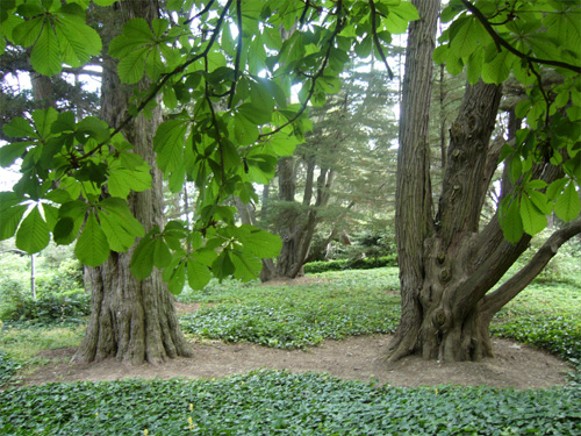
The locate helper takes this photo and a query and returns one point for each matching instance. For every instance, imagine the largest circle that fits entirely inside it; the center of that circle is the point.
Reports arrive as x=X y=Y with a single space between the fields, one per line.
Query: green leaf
x=510 y=220
x=161 y=254
x=245 y=131
x=92 y=248
x=175 y=276
x=123 y=180
x=10 y=217
x=533 y=220
x=169 y=144
x=77 y=41
x=466 y=36
x=19 y=128
x=119 y=224
x=71 y=217
x=198 y=274
x=399 y=17
x=257 y=242
x=246 y=267
x=498 y=70
x=33 y=233
x=131 y=68
x=142 y=259
x=568 y=203
x=43 y=121
x=223 y=267
x=10 y=152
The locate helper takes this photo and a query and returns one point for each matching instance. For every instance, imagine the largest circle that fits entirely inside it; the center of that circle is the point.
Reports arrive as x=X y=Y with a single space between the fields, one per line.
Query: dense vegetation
x=282 y=403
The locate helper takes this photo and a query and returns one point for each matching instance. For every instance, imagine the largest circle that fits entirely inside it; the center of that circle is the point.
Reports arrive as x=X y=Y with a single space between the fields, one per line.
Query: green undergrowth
x=545 y=315
x=351 y=264
x=328 y=306
x=273 y=402
x=338 y=304
x=8 y=366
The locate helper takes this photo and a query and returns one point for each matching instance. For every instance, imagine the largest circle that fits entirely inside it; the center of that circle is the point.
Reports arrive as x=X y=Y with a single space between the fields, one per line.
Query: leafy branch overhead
x=226 y=73
x=527 y=40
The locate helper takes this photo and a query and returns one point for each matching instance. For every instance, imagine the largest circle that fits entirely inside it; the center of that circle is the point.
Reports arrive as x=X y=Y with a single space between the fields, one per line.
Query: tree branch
x=501 y=42
x=316 y=76
x=495 y=301
x=376 y=40
x=238 y=53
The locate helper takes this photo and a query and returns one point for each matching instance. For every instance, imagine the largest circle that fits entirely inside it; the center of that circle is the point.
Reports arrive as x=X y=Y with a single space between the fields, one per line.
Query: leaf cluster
x=283 y=403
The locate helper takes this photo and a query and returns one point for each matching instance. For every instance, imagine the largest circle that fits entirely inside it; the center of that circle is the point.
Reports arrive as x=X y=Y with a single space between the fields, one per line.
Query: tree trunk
x=448 y=264
x=133 y=321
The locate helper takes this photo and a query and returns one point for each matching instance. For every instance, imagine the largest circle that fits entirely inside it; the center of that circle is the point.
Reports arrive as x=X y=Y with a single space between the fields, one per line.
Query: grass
x=273 y=402
x=24 y=341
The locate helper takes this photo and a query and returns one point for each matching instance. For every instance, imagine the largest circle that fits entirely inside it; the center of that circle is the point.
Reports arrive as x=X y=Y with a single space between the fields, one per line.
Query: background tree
x=338 y=175
x=448 y=259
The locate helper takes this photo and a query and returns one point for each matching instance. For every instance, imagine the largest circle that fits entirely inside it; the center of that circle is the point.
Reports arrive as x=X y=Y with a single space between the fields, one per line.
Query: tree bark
x=448 y=264
x=132 y=321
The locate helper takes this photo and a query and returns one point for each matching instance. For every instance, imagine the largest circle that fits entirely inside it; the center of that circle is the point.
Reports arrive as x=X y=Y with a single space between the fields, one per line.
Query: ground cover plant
x=326 y=306
x=342 y=303
x=283 y=403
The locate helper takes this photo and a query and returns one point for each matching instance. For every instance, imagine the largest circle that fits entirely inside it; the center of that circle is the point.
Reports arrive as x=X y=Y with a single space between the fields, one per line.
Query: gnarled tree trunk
x=131 y=320
x=448 y=264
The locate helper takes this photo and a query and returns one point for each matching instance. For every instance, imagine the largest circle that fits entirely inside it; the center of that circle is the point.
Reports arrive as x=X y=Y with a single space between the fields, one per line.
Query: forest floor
x=355 y=358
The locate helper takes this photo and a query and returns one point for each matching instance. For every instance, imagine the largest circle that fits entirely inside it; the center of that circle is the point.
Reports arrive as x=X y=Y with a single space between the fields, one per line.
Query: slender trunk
x=133 y=321
x=413 y=191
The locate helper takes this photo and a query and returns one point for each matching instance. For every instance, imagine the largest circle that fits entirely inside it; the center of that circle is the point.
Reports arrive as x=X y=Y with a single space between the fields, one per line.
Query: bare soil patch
x=356 y=358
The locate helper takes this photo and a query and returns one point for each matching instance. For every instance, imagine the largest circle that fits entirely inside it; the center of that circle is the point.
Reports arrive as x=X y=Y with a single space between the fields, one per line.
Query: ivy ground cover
x=271 y=402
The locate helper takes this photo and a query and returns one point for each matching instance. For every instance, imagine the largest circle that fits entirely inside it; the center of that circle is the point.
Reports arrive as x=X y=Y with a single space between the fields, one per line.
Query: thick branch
x=511 y=288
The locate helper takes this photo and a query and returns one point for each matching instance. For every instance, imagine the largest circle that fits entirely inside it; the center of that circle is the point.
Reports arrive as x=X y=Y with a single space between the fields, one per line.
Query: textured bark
x=133 y=321
x=413 y=190
x=448 y=263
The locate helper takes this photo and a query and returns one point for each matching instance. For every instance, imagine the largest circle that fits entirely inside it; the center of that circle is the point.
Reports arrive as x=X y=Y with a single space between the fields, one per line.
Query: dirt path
x=354 y=358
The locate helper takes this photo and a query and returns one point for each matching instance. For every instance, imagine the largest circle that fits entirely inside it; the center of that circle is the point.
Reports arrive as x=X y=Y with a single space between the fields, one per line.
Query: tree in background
x=450 y=260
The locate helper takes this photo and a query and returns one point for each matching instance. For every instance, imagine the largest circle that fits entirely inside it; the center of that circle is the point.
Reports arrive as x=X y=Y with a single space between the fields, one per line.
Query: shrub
x=344 y=264
x=49 y=308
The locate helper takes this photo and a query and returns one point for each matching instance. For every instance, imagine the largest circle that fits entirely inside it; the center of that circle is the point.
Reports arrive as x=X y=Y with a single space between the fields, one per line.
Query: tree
x=449 y=260
x=224 y=76
x=132 y=320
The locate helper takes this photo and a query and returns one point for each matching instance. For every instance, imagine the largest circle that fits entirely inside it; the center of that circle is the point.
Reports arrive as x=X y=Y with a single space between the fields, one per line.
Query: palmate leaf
x=510 y=220
x=142 y=259
x=169 y=144
x=92 y=248
x=466 y=36
x=257 y=242
x=246 y=268
x=11 y=212
x=568 y=203
x=533 y=219
x=119 y=225
x=58 y=38
x=198 y=274
x=33 y=233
